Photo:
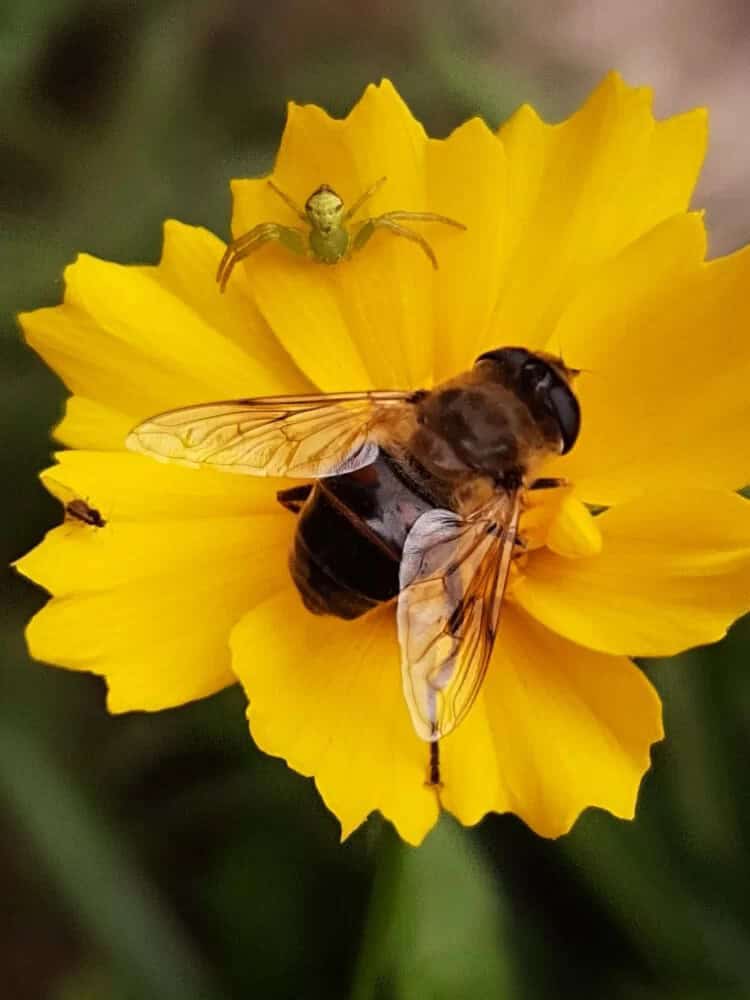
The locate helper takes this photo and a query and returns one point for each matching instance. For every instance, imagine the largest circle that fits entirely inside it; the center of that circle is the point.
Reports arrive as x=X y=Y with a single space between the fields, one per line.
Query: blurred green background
x=162 y=856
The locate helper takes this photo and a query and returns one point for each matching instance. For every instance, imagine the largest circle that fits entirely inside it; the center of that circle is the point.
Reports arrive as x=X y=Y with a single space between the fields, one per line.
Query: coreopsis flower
x=577 y=241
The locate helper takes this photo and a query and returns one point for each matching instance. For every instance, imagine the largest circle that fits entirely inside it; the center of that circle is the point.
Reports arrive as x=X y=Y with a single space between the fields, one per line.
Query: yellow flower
x=578 y=240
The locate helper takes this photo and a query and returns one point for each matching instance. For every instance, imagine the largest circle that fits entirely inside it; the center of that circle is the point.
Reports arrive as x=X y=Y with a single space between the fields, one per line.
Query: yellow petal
x=77 y=557
x=664 y=338
x=325 y=695
x=92 y=425
x=558 y=519
x=143 y=339
x=544 y=209
x=558 y=728
x=574 y=533
x=674 y=572
x=471 y=263
x=369 y=320
x=187 y=271
x=149 y=605
x=125 y=487
x=581 y=191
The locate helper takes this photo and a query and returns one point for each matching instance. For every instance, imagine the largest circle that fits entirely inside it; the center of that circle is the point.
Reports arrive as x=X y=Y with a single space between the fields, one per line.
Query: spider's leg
x=363 y=198
x=363 y=233
x=299 y=212
x=243 y=246
x=422 y=217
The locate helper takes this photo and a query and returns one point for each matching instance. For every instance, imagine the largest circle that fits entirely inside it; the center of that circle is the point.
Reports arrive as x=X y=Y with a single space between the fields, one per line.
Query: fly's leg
x=294 y=498
x=299 y=212
x=391 y=221
x=243 y=246
x=433 y=771
x=433 y=780
x=363 y=198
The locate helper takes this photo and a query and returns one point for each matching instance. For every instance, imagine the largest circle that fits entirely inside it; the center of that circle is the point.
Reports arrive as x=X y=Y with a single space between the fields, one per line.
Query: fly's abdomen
x=337 y=568
x=349 y=538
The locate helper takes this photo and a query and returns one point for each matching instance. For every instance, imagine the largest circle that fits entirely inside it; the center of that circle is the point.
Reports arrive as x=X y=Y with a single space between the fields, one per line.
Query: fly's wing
x=59 y=490
x=453 y=576
x=298 y=436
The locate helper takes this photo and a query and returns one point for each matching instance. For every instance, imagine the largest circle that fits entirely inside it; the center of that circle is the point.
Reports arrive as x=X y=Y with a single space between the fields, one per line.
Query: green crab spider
x=328 y=238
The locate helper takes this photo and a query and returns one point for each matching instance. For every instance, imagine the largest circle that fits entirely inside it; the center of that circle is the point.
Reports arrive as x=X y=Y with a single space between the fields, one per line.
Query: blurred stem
x=112 y=900
x=646 y=890
x=388 y=868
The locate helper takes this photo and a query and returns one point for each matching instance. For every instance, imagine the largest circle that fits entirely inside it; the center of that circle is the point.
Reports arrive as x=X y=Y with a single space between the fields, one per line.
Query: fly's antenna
x=572 y=370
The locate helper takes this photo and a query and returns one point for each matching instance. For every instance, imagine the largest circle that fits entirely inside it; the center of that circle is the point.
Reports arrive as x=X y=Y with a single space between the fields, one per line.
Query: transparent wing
x=304 y=436
x=58 y=490
x=453 y=576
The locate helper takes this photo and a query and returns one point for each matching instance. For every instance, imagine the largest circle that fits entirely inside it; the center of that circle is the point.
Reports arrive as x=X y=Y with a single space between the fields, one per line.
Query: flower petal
x=325 y=694
x=187 y=272
x=91 y=425
x=149 y=605
x=674 y=572
x=126 y=487
x=665 y=339
x=557 y=728
x=143 y=339
x=366 y=321
x=581 y=191
x=471 y=263
x=574 y=533
x=556 y=518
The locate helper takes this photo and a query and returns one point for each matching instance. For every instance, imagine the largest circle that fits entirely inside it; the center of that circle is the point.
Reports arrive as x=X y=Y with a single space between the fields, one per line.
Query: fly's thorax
x=471 y=494
x=474 y=425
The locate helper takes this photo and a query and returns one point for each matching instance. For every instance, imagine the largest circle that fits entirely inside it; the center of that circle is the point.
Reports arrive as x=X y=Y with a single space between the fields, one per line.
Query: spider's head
x=324 y=209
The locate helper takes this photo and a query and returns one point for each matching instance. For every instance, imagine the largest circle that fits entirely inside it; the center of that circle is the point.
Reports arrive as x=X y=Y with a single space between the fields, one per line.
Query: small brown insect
x=416 y=497
x=75 y=508
x=80 y=511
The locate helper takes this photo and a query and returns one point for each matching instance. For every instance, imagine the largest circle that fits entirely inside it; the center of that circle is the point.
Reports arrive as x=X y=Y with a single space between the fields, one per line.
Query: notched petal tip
x=472 y=130
x=562 y=728
x=524 y=117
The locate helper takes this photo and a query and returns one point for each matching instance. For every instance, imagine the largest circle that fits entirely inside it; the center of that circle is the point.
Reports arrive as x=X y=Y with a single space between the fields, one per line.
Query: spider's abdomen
x=330 y=247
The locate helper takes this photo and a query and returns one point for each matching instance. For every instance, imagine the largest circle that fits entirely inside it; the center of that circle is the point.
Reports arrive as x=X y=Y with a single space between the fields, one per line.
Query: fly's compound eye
x=567 y=412
x=553 y=394
x=536 y=376
x=510 y=359
x=541 y=386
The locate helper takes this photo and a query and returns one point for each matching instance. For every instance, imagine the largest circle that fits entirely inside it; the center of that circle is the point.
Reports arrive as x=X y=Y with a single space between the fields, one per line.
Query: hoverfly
x=416 y=496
